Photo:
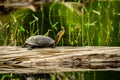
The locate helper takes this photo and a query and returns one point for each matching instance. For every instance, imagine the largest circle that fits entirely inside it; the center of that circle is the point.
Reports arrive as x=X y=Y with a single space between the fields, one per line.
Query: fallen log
x=60 y=59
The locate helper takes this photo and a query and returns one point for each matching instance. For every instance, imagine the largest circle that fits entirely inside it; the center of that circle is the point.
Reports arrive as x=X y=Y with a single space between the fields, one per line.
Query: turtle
x=42 y=41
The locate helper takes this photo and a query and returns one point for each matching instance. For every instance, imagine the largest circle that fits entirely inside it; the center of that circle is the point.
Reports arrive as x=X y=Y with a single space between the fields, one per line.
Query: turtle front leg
x=30 y=47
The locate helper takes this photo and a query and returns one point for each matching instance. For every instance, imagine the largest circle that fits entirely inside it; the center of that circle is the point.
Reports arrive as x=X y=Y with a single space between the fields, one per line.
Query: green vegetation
x=98 y=24
x=85 y=75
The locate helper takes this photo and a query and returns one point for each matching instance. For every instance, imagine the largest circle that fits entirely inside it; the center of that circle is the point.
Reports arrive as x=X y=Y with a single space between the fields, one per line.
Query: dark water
x=87 y=75
x=102 y=75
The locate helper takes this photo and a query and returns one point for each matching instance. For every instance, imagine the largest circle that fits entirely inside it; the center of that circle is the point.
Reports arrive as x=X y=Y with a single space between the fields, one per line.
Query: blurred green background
x=95 y=24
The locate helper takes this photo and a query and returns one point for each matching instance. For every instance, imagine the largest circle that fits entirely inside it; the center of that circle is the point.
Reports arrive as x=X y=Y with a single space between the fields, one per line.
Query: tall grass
x=98 y=24
x=95 y=27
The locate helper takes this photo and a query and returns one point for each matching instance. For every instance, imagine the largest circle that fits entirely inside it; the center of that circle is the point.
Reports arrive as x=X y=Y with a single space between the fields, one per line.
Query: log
x=60 y=59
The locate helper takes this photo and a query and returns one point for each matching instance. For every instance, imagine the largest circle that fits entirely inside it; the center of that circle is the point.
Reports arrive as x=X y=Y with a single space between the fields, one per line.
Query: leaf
x=21 y=28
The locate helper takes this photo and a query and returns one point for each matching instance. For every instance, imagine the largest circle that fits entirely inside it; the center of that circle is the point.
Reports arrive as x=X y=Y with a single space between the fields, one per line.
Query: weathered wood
x=61 y=59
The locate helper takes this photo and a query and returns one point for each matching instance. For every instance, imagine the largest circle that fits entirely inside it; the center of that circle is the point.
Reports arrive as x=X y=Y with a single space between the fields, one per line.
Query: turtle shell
x=40 y=41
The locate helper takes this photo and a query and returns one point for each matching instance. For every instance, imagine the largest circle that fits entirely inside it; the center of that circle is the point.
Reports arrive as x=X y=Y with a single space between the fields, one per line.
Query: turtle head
x=59 y=35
